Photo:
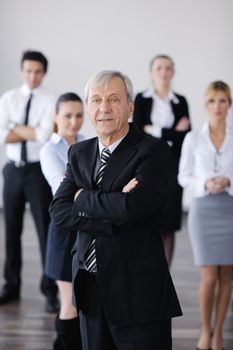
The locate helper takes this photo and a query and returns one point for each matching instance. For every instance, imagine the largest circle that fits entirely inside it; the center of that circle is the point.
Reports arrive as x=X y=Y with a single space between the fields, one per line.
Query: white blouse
x=200 y=160
x=53 y=159
x=162 y=115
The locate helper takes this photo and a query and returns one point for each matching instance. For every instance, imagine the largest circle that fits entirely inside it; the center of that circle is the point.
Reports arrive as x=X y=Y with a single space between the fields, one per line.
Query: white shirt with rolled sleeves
x=200 y=160
x=12 y=111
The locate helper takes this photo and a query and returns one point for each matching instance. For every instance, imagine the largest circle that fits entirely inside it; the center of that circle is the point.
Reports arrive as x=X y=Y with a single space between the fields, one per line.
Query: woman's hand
x=148 y=128
x=183 y=124
x=217 y=184
x=130 y=185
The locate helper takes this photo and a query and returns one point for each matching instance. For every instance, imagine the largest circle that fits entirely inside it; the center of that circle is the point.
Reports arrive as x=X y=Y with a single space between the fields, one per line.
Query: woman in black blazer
x=164 y=114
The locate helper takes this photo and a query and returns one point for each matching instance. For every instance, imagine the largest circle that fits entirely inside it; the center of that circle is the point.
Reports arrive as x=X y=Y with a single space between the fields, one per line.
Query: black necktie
x=90 y=255
x=24 y=146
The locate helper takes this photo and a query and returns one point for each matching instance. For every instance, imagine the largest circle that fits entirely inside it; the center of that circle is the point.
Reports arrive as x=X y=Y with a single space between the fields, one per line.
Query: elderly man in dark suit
x=112 y=194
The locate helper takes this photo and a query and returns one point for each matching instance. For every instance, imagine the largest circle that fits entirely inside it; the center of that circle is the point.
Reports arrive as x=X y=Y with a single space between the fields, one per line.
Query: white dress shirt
x=112 y=147
x=12 y=110
x=200 y=160
x=162 y=115
x=53 y=159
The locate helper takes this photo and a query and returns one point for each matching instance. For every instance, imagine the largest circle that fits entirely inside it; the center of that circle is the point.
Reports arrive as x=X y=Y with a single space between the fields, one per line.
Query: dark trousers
x=98 y=333
x=21 y=185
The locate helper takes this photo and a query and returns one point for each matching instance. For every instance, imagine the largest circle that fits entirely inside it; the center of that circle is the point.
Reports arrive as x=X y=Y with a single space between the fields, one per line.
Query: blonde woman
x=207 y=167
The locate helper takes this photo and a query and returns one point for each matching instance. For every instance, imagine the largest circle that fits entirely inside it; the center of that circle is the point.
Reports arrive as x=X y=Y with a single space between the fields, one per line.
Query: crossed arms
x=95 y=211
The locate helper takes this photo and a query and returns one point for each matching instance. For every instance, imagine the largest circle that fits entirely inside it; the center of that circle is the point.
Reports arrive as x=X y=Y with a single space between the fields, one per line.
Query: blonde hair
x=218 y=86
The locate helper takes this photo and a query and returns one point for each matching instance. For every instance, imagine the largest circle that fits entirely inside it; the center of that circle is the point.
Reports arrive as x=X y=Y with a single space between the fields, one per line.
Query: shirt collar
x=26 y=91
x=151 y=94
x=206 y=131
x=56 y=138
x=112 y=147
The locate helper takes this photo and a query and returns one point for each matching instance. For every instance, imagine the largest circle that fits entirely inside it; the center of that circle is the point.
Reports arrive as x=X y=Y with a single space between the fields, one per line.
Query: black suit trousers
x=21 y=185
x=98 y=332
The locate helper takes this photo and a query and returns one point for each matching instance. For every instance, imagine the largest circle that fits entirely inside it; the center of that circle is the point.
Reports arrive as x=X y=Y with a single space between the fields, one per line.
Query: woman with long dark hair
x=68 y=120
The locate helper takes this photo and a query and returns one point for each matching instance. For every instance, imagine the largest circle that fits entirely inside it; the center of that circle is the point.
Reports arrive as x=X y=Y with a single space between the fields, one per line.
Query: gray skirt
x=210 y=226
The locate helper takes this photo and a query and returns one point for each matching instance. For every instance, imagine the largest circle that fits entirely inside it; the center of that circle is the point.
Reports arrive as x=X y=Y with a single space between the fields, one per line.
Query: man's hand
x=130 y=185
x=77 y=194
x=12 y=137
x=25 y=131
x=20 y=133
x=217 y=184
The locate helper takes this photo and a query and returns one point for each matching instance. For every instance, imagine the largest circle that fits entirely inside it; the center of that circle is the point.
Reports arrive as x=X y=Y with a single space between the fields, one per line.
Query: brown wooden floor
x=26 y=326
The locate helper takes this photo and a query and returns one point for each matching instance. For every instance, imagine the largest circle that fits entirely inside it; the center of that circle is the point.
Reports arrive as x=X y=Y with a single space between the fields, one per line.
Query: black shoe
x=52 y=304
x=68 y=334
x=8 y=294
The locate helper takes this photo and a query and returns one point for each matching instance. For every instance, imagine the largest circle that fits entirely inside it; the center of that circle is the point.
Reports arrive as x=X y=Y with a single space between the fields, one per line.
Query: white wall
x=83 y=37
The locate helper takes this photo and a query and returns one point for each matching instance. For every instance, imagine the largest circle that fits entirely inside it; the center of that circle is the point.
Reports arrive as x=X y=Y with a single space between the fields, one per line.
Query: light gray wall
x=83 y=37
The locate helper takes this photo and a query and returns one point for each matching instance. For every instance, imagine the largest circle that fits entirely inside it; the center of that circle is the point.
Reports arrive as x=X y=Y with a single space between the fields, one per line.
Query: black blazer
x=133 y=276
x=142 y=117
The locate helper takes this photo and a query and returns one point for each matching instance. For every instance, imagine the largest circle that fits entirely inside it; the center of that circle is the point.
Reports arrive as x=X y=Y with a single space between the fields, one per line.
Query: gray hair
x=101 y=78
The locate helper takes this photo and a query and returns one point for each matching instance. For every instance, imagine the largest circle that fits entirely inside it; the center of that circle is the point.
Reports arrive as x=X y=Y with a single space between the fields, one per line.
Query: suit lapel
x=120 y=158
x=176 y=112
x=116 y=164
x=87 y=160
x=148 y=108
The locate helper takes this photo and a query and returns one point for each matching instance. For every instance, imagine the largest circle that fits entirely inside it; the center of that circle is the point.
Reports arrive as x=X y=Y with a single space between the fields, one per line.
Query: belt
x=22 y=163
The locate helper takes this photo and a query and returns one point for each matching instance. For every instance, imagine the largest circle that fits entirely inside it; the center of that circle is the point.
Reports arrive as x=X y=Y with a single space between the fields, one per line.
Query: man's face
x=33 y=73
x=109 y=110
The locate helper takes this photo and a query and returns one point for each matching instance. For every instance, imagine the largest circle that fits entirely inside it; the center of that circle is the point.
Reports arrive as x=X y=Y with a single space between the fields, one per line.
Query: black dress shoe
x=9 y=294
x=52 y=304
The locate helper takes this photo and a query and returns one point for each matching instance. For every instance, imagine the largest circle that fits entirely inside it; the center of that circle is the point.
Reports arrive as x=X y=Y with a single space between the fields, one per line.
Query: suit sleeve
x=170 y=134
x=63 y=211
x=139 y=113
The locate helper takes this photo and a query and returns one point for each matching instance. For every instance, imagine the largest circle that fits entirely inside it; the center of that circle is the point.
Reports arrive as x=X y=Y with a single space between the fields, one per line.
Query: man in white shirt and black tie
x=25 y=125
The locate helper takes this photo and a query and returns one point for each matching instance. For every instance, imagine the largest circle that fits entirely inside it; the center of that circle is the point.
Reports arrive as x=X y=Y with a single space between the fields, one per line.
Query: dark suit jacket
x=133 y=276
x=142 y=117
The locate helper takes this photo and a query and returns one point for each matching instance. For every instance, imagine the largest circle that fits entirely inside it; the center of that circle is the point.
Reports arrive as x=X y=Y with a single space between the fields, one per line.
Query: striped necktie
x=89 y=262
